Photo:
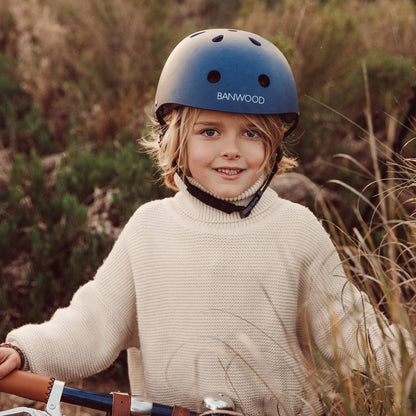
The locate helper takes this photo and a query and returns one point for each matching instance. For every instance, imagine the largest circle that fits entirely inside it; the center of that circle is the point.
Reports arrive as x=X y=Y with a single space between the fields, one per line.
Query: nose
x=230 y=147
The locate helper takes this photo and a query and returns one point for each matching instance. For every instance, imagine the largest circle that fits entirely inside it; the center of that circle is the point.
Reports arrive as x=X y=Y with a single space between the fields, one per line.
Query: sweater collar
x=198 y=211
x=241 y=199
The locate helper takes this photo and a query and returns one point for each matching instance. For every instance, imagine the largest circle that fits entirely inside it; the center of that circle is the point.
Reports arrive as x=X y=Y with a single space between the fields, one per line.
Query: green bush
x=22 y=126
x=47 y=222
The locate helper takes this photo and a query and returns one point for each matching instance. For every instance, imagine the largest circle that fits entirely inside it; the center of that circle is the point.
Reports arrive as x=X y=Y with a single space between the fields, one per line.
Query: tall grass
x=379 y=256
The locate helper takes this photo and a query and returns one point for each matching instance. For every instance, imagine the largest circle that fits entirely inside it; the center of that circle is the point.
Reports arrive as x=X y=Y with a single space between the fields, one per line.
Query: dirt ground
x=8 y=401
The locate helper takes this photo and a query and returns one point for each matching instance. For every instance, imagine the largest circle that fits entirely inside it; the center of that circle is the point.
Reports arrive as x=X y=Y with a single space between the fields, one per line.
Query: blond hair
x=168 y=144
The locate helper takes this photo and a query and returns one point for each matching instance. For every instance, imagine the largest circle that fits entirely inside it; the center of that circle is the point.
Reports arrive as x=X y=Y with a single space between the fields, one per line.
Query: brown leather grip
x=121 y=404
x=180 y=411
x=28 y=385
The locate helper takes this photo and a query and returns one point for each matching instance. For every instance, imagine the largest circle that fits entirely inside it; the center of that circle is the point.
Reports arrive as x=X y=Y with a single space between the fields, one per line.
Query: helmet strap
x=229 y=207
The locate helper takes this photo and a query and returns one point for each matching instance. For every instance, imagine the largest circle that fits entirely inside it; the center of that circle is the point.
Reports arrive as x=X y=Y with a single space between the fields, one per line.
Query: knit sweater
x=205 y=301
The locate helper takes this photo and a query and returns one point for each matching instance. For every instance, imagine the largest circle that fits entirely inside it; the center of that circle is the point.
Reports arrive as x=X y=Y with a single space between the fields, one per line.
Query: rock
x=99 y=212
x=298 y=188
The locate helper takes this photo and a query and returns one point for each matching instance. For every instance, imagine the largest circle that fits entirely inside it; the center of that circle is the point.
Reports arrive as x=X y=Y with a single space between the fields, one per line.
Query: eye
x=209 y=132
x=253 y=134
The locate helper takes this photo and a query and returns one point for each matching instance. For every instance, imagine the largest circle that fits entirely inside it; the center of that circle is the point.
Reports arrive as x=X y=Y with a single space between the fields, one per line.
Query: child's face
x=225 y=153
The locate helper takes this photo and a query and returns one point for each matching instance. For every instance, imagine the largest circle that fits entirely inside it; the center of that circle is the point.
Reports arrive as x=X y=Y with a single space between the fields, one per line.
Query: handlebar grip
x=28 y=385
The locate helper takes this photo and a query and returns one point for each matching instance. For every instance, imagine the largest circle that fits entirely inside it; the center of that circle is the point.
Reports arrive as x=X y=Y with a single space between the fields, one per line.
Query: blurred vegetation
x=77 y=80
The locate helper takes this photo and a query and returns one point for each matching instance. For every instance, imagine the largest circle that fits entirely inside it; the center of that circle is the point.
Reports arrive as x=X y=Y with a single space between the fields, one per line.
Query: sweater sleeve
x=87 y=336
x=337 y=317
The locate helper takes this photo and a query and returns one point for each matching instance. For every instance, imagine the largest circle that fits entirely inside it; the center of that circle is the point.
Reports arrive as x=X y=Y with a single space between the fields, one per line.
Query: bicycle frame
x=52 y=392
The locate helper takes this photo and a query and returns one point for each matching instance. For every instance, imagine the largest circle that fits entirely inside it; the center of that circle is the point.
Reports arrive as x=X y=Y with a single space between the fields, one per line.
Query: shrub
x=45 y=223
x=22 y=126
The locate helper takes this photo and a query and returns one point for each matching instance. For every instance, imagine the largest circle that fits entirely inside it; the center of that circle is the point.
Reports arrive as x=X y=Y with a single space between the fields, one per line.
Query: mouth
x=228 y=171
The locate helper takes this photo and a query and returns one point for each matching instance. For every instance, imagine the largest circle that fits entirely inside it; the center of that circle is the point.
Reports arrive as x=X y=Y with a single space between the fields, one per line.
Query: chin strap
x=229 y=207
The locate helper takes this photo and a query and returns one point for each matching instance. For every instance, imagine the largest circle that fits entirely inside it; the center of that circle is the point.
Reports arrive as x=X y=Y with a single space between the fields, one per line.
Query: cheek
x=258 y=155
x=197 y=156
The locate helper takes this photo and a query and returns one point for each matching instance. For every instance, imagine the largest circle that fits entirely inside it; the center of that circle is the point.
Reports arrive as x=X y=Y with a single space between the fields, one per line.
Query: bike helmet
x=228 y=70
x=232 y=71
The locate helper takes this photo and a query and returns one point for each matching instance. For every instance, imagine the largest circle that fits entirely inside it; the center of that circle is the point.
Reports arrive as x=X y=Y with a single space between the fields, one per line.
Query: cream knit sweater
x=214 y=303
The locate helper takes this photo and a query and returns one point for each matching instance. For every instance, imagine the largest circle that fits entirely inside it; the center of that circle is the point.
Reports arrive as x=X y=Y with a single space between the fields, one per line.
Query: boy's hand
x=9 y=361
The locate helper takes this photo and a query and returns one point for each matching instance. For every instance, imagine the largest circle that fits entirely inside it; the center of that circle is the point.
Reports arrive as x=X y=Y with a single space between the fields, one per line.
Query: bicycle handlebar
x=104 y=402
x=28 y=385
x=36 y=387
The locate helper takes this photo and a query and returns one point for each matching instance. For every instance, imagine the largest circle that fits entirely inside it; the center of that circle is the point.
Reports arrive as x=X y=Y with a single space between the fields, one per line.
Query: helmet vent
x=264 y=80
x=213 y=76
x=196 y=34
x=255 y=42
x=218 y=38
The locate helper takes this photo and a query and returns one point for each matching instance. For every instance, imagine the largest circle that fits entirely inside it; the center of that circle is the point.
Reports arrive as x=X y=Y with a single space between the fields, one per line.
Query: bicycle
x=52 y=392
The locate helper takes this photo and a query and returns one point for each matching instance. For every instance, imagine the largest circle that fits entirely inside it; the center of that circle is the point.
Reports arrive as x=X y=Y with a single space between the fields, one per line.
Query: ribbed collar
x=198 y=212
x=242 y=199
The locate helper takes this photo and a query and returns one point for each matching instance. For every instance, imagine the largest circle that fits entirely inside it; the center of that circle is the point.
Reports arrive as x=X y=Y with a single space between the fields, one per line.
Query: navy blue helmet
x=228 y=70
